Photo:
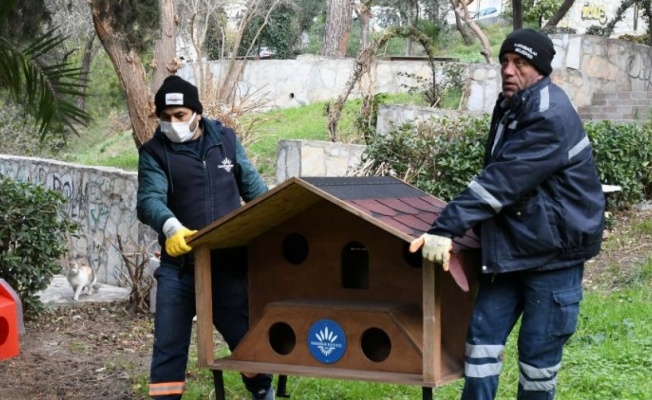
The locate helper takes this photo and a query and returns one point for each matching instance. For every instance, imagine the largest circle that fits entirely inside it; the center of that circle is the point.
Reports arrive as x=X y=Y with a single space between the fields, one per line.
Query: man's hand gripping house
x=176 y=234
x=435 y=248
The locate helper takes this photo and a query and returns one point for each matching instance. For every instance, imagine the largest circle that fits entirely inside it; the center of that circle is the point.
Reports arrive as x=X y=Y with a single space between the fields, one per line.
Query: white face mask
x=178 y=132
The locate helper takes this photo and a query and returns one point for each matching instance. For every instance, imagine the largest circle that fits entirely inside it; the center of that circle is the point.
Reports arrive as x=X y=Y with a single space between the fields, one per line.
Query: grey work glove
x=435 y=248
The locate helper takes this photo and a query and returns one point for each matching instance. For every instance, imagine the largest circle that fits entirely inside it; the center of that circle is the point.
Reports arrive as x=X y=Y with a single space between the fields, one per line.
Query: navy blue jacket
x=197 y=182
x=538 y=202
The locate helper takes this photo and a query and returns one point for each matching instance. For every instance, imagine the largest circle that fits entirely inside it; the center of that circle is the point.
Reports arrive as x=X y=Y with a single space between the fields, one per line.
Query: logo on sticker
x=174 y=99
x=326 y=341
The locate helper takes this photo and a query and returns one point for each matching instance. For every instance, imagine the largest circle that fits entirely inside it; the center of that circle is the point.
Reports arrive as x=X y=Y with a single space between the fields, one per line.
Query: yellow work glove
x=435 y=248
x=176 y=234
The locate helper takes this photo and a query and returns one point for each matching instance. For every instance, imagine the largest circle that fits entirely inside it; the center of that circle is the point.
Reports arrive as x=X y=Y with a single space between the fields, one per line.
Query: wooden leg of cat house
x=204 y=301
x=204 y=304
x=432 y=369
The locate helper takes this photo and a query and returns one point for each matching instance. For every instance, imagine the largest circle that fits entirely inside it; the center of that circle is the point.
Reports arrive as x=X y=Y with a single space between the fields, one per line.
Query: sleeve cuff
x=171 y=226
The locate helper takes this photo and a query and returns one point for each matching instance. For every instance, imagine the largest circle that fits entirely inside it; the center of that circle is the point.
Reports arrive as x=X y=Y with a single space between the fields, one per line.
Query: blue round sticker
x=326 y=341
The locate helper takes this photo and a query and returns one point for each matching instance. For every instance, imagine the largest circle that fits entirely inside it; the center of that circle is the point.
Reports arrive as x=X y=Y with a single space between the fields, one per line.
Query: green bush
x=33 y=233
x=623 y=154
x=442 y=156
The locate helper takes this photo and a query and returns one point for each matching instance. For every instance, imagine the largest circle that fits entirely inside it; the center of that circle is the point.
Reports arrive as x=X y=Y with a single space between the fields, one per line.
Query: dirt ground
x=94 y=351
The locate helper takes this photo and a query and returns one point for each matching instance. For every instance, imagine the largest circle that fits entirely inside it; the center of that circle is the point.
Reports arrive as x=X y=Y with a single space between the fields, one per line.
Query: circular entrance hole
x=282 y=338
x=295 y=248
x=375 y=344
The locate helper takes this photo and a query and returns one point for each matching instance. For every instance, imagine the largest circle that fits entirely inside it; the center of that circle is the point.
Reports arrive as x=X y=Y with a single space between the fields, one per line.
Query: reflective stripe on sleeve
x=166 y=388
x=584 y=143
x=486 y=196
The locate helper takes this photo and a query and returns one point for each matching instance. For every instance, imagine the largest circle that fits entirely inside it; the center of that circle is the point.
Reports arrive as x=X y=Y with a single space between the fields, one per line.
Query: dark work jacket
x=196 y=185
x=538 y=202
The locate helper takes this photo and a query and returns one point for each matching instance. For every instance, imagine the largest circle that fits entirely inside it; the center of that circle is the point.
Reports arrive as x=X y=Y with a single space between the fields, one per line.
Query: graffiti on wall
x=594 y=13
x=640 y=68
x=97 y=202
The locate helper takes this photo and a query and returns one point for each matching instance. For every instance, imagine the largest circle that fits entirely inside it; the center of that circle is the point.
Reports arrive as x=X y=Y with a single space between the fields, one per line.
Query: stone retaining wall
x=102 y=201
x=582 y=66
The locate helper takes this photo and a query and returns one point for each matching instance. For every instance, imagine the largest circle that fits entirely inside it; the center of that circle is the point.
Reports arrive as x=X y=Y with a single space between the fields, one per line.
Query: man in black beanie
x=538 y=209
x=192 y=172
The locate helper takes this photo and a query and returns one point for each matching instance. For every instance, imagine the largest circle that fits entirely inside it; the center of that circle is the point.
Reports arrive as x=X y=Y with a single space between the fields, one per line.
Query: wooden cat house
x=334 y=291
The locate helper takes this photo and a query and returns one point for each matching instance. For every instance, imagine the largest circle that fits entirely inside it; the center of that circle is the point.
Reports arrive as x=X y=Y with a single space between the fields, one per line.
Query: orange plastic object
x=10 y=321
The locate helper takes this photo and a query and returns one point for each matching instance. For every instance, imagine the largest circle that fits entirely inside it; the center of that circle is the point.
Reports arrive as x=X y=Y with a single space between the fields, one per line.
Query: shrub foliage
x=443 y=155
x=438 y=157
x=623 y=155
x=33 y=232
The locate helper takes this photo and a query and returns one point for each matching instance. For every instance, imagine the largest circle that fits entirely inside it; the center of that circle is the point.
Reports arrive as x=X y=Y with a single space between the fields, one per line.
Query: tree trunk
x=338 y=27
x=165 y=61
x=410 y=22
x=557 y=16
x=87 y=60
x=486 y=47
x=131 y=74
x=458 y=24
x=517 y=14
x=364 y=16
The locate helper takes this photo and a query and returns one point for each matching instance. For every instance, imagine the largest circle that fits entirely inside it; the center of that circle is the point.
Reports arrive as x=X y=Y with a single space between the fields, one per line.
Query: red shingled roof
x=390 y=201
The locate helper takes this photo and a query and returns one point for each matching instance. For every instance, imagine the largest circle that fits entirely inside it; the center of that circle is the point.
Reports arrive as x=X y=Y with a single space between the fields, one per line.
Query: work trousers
x=548 y=302
x=175 y=309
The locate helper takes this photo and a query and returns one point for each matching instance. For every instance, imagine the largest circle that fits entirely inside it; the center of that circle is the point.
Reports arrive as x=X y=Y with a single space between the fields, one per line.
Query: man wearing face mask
x=192 y=172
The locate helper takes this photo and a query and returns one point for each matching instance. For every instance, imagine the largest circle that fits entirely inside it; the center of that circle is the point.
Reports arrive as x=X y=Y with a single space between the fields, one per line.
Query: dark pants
x=175 y=309
x=548 y=302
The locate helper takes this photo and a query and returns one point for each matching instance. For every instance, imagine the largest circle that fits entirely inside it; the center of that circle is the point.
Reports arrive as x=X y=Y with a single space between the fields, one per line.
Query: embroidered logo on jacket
x=226 y=165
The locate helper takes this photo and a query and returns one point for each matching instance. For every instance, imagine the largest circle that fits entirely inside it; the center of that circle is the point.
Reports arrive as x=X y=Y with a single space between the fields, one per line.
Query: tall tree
x=338 y=27
x=363 y=13
x=559 y=14
x=32 y=73
x=165 y=61
x=461 y=10
x=75 y=23
x=517 y=14
x=126 y=29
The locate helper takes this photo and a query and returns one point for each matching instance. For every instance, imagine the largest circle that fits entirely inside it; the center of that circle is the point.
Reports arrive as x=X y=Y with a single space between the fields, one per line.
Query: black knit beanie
x=533 y=46
x=176 y=92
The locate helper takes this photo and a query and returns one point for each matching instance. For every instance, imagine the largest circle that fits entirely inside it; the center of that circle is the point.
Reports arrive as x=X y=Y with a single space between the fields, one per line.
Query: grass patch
x=98 y=148
x=607 y=358
x=102 y=146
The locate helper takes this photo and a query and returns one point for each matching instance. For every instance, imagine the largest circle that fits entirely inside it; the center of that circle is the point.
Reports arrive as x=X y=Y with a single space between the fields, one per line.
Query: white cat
x=81 y=277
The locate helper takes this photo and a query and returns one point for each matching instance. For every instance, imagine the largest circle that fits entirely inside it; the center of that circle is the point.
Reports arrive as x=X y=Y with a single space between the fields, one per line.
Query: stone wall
x=102 y=201
x=310 y=79
x=583 y=65
x=315 y=158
